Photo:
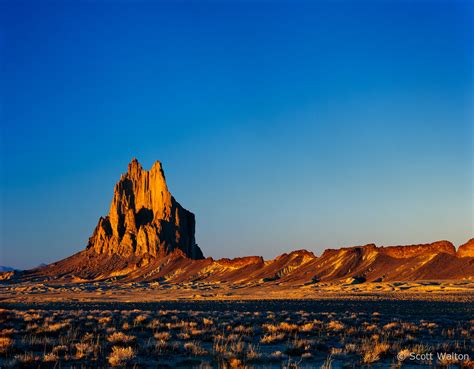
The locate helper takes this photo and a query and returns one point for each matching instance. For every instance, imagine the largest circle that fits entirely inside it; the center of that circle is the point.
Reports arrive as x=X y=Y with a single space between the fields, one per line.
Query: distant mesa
x=148 y=236
x=4 y=268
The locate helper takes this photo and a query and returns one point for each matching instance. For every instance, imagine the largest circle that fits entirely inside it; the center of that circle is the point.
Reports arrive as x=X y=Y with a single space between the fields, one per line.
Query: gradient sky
x=280 y=125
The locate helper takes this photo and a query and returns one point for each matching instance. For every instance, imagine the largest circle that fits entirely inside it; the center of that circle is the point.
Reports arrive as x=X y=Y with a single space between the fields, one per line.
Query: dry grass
x=307 y=327
x=54 y=327
x=195 y=348
x=373 y=351
x=335 y=325
x=5 y=344
x=119 y=337
x=121 y=355
x=272 y=338
x=151 y=338
x=162 y=336
x=327 y=363
x=83 y=349
x=51 y=357
x=282 y=327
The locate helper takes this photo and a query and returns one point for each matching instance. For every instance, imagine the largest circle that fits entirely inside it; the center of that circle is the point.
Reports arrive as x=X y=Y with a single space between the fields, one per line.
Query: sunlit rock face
x=467 y=250
x=144 y=218
x=433 y=248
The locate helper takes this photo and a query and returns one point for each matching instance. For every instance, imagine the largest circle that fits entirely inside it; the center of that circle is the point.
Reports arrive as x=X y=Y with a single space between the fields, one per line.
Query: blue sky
x=281 y=125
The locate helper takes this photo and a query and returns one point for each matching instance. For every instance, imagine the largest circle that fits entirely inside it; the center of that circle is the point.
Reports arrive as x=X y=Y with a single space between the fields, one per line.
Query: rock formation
x=144 y=219
x=467 y=250
x=149 y=236
x=434 y=248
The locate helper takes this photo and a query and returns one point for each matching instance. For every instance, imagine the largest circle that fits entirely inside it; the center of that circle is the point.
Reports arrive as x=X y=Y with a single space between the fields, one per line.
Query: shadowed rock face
x=144 y=219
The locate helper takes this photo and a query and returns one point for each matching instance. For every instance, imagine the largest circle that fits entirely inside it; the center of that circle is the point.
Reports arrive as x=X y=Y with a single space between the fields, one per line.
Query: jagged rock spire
x=144 y=218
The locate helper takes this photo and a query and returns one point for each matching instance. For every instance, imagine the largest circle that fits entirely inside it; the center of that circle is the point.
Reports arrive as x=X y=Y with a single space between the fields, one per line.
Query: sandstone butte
x=149 y=236
x=144 y=218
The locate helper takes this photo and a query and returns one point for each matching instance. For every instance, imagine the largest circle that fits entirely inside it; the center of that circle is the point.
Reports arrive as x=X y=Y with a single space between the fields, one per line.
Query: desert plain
x=142 y=295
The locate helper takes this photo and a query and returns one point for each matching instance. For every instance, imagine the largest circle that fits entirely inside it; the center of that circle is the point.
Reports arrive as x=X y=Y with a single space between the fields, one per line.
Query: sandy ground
x=150 y=292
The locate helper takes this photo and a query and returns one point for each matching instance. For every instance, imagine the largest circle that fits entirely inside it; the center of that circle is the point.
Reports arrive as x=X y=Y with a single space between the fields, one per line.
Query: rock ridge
x=148 y=236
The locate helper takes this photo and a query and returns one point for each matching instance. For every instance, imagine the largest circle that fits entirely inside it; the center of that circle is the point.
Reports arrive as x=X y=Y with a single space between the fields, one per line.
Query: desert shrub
x=195 y=332
x=155 y=323
x=5 y=344
x=121 y=355
x=140 y=319
x=252 y=352
x=119 y=337
x=194 y=348
x=51 y=357
x=235 y=363
x=59 y=348
x=207 y=321
x=373 y=351
x=282 y=327
x=336 y=351
x=350 y=347
x=184 y=335
x=55 y=327
x=83 y=349
x=26 y=358
x=335 y=325
x=273 y=337
x=243 y=329
x=164 y=336
x=104 y=320
x=307 y=327
x=391 y=325
x=7 y=331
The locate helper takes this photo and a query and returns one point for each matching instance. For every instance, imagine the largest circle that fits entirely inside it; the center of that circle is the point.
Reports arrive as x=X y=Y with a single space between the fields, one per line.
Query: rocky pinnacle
x=144 y=218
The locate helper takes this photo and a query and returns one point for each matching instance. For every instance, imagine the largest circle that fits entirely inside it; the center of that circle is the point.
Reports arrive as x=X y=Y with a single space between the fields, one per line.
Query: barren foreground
x=106 y=291
x=260 y=334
